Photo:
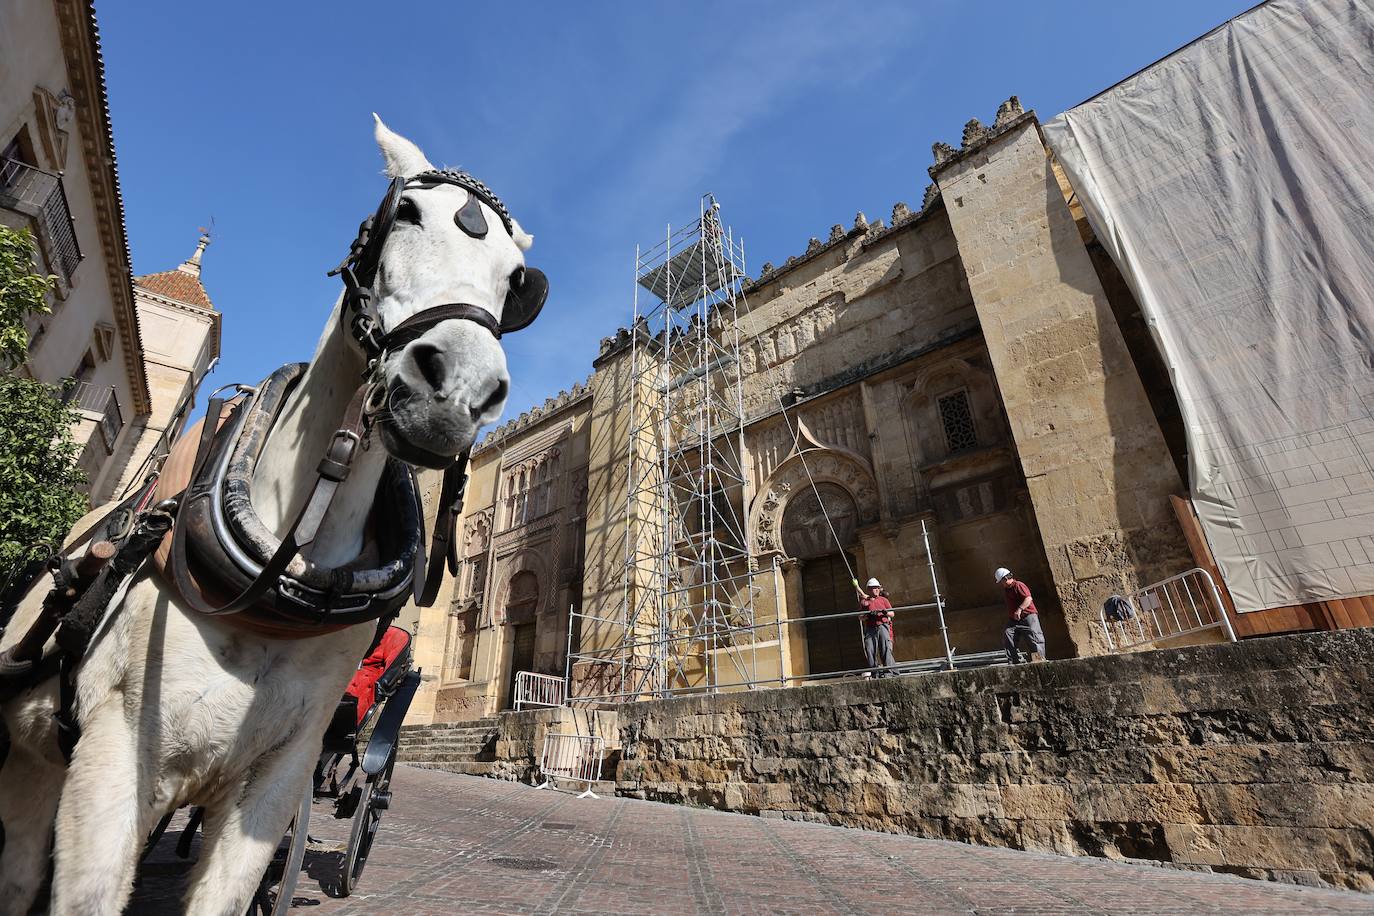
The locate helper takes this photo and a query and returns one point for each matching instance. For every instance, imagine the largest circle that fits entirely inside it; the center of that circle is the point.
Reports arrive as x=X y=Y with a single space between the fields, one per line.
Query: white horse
x=179 y=708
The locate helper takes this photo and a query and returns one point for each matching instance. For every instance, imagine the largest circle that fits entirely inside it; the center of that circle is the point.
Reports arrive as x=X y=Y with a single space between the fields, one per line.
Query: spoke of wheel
x=353 y=863
x=300 y=833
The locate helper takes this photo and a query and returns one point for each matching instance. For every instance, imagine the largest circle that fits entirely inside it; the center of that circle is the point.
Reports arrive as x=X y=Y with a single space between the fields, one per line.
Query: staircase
x=456 y=747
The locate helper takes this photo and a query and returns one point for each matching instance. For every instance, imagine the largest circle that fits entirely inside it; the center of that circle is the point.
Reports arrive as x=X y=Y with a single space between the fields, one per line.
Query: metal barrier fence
x=533 y=689
x=926 y=620
x=575 y=757
x=1177 y=606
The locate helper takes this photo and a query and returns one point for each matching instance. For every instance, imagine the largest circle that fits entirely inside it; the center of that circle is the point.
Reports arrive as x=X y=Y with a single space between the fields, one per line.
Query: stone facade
x=959 y=371
x=1094 y=459
x=1254 y=758
x=520 y=543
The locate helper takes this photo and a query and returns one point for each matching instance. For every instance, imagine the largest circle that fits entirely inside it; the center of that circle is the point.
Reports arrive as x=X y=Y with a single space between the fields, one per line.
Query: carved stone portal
x=805 y=530
x=788 y=509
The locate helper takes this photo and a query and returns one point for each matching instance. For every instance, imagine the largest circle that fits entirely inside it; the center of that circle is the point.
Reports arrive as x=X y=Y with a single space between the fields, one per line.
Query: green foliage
x=39 y=499
x=39 y=477
x=22 y=293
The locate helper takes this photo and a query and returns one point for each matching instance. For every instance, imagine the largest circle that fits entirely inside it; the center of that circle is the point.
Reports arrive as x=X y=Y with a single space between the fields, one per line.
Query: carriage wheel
x=376 y=798
x=263 y=903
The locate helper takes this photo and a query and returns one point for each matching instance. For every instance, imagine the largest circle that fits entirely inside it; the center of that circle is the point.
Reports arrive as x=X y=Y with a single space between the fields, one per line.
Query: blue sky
x=598 y=123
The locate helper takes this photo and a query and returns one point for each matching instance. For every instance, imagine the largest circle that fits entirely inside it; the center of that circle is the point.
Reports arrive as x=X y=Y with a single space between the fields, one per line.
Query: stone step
x=438 y=760
x=447 y=741
x=454 y=753
x=487 y=738
x=451 y=736
x=464 y=767
x=487 y=722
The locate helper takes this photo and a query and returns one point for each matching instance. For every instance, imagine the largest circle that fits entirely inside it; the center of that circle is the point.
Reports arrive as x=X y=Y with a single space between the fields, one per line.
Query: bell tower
x=181 y=338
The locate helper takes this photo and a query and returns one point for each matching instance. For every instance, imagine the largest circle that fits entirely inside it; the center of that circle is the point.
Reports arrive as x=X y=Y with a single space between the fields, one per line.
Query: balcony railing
x=100 y=400
x=41 y=196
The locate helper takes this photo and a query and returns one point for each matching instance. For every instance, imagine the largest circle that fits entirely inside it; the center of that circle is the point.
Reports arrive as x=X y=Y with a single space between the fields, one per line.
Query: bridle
x=273 y=594
x=528 y=285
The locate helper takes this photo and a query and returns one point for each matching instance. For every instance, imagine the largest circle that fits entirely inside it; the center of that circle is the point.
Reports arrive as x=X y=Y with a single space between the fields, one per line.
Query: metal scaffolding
x=686 y=621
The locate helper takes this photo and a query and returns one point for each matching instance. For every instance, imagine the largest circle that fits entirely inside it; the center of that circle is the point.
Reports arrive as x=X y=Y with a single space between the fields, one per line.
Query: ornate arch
x=790 y=479
x=947 y=376
x=526 y=559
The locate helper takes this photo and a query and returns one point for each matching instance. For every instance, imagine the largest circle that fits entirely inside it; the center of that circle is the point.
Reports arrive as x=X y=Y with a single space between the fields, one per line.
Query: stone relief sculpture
x=842 y=484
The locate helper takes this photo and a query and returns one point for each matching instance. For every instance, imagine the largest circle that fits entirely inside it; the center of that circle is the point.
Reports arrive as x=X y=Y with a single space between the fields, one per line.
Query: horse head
x=446 y=274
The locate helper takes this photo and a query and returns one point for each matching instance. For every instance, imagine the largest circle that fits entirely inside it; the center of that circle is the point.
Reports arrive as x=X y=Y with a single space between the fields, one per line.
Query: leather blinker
x=471 y=219
x=528 y=290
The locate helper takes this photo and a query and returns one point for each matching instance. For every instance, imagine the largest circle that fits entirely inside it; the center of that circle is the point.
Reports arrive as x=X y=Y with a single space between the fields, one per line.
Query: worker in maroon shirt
x=1024 y=620
x=877 y=627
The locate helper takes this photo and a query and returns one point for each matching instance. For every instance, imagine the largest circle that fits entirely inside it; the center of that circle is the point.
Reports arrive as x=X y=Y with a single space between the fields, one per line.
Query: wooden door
x=831 y=645
x=521 y=659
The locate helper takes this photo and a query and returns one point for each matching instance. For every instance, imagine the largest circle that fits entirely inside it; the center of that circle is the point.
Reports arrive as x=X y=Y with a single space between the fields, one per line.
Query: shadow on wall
x=1135 y=538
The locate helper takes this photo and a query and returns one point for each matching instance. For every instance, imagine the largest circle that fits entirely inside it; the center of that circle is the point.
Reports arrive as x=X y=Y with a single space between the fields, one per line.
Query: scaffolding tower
x=686 y=621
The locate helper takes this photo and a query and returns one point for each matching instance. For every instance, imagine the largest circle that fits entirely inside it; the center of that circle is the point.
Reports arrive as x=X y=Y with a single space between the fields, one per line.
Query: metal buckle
x=318 y=602
x=345 y=434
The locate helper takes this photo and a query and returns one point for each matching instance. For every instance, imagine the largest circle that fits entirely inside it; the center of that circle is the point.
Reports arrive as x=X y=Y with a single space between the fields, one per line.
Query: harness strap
x=443 y=545
x=416 y=325
x=332 y=471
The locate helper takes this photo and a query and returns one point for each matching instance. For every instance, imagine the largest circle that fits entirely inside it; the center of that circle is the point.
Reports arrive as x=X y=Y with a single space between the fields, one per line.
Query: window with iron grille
x=477 y=575
x=41 y=196
x=956 y=416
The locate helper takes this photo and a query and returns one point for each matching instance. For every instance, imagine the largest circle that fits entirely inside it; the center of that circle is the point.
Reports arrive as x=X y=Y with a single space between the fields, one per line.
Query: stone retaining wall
x=521 y=738
x=1254 y=758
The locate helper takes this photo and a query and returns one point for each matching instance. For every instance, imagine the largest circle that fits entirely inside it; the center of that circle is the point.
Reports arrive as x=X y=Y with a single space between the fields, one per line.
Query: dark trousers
x=878 y=647
x=1029 y=627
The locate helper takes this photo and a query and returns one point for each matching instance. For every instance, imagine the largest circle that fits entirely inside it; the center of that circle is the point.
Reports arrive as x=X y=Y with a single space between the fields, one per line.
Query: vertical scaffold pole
x=939 y=601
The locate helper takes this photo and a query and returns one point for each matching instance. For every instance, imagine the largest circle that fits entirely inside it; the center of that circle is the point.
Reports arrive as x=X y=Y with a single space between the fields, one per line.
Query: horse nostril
x=429 y=360
x=492 y=402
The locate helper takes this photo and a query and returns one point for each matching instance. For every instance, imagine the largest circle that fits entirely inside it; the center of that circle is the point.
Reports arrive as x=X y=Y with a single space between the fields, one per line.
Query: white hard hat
x=873 y=582
x=1002 y=573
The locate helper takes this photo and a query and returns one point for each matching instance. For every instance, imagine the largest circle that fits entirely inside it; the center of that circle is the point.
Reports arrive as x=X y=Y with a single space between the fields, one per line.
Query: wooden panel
x=1321 y=615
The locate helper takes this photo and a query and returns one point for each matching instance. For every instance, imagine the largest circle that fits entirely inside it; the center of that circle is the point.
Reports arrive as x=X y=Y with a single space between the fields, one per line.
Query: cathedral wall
x=1098 y=470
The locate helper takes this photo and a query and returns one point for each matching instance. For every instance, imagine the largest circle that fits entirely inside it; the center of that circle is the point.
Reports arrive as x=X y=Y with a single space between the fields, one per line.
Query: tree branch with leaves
x=40 y=481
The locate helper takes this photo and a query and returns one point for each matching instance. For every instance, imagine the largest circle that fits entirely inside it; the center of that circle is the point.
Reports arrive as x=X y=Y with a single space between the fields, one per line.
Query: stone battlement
x=551 y=406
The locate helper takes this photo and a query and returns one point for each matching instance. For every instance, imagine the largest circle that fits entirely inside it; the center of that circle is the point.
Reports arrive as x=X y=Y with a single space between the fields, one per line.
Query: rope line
x=796 y=443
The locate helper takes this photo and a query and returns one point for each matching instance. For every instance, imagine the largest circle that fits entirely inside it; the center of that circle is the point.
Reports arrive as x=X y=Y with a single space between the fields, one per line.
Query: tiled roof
x=176 y=284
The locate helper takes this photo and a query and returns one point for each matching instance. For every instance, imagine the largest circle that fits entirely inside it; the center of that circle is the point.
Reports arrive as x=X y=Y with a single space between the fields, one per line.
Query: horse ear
x=523 y=240
x=403 y=158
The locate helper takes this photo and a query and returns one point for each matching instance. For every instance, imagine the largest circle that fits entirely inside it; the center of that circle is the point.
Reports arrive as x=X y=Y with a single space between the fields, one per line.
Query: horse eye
x=407 y=212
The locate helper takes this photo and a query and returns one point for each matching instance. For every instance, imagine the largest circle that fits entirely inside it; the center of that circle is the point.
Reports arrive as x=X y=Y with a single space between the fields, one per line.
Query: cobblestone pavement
x=461 y=844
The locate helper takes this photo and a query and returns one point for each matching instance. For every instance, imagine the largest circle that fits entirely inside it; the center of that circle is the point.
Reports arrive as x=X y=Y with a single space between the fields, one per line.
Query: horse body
x=180 y=708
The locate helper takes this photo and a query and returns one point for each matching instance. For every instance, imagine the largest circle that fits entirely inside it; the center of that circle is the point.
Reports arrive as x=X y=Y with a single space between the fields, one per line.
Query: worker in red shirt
x=877 y=627
x=1024 y=619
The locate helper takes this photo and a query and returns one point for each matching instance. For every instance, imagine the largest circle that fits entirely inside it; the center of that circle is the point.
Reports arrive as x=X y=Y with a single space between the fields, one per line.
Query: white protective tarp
x=1233 y=183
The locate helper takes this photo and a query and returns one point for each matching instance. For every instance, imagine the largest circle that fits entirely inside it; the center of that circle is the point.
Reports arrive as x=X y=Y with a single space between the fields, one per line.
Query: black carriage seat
x=395 y=650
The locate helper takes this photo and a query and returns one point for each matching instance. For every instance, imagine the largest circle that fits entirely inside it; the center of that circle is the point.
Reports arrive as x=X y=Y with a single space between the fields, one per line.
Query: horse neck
x=286 y=473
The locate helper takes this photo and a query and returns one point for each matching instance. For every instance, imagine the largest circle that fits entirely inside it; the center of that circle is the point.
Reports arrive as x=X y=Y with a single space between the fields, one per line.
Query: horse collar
x=221 y=547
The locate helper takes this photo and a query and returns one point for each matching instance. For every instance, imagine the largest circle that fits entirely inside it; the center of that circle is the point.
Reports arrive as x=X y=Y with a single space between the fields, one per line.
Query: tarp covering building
x=1233 y=184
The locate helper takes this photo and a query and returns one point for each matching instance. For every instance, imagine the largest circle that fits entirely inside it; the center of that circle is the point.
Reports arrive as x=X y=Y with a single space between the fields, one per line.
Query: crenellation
x=551 y=406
